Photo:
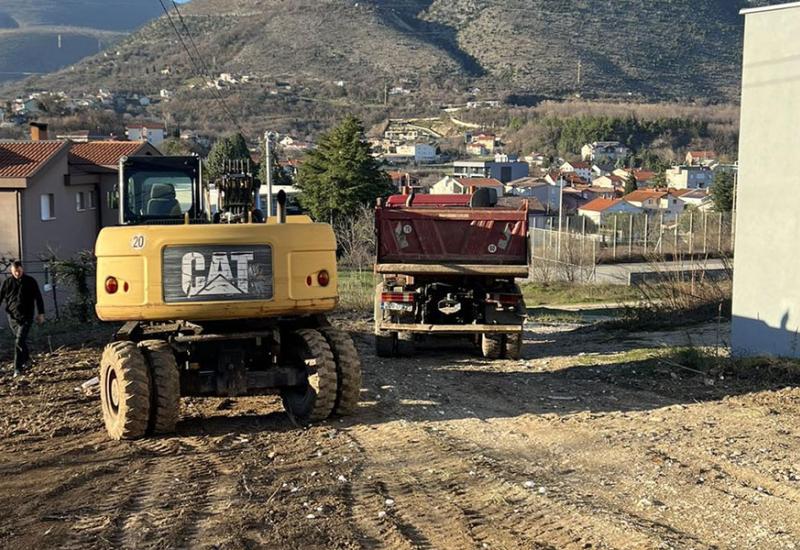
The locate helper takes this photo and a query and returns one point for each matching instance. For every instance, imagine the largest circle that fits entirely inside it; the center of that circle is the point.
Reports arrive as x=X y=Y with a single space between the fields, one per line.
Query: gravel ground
x=592 y=440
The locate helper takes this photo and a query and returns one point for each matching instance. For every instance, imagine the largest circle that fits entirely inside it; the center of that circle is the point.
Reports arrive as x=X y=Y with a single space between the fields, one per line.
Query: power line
x=200 y=72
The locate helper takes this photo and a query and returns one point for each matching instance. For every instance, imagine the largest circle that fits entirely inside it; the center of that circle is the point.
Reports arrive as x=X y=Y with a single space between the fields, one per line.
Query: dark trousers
x=20 y=330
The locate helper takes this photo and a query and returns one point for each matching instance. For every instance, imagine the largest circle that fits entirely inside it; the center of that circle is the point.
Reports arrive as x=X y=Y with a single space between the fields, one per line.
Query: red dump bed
x=442 y=230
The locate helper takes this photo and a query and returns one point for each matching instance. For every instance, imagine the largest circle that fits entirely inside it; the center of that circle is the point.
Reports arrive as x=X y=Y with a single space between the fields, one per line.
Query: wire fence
x=573 y=253
x=56 y=296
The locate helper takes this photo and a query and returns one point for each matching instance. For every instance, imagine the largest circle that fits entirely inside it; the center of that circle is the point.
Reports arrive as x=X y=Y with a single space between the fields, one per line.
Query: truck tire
x=165 y=386
x=348 y=370
x=385 y=344
x=492 y=345
x=314 y=400
x=124 y=391
x=406 y=344
x=513 y=346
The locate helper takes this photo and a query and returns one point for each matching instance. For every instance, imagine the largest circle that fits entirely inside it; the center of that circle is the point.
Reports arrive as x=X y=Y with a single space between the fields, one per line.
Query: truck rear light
x=398 y=297
x=323 y=278
x=503 y=299
x=111 y=285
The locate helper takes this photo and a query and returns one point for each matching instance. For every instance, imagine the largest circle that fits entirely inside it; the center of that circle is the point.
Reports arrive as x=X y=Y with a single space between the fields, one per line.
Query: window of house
x=48 y=206
x=112 y=200
x=92 y=200
x=80 y=201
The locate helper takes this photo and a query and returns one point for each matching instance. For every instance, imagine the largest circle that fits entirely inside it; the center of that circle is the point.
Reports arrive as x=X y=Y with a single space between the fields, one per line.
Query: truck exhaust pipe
x=281 y=206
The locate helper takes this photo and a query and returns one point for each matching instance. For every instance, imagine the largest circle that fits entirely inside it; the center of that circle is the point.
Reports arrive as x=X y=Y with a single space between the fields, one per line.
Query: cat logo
x=217 y=278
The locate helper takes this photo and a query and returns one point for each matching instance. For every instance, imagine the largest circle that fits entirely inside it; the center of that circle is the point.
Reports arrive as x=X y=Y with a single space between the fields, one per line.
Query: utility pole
x=268 y=154
x=560 y=214
x=580 y=75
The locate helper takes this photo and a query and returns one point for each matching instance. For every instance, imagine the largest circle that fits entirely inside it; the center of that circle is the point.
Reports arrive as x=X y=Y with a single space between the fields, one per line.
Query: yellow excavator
x=215 y=303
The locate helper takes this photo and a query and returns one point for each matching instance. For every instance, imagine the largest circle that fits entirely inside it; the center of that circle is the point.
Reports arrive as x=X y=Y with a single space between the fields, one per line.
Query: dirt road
x=588 y=442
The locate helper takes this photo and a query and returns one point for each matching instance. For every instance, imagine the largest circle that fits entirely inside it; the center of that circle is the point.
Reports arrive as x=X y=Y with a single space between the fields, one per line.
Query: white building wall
x=766 y=292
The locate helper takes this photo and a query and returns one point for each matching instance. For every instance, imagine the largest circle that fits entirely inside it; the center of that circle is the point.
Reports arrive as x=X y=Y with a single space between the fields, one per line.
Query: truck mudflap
x=449 y=329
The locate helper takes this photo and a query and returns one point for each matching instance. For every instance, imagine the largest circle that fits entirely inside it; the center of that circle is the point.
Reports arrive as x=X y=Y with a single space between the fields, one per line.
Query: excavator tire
x=492 y=345
x=313 y=401
x=165 y=388
x=513 y=346
x=124 y=391
x=348 y=370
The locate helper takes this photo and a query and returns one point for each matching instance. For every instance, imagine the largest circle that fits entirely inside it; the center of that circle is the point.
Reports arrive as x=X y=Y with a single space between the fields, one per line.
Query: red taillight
x=309 y=280
x=111 y=285
x=504 y=299
x=323 y=278
x=398 y=297
x=125 y=286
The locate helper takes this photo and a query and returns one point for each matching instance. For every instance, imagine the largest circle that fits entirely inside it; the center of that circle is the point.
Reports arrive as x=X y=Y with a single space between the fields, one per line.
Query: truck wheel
x=314 y=400
x=385 y=344
x=513 y=346
x=406 y=344
x=348 y=370
x=166 y=386
x=492 y=345
x=124 y=391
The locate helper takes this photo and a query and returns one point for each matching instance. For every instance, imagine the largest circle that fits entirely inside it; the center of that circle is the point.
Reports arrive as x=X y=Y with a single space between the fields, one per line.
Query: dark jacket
x=20 y=296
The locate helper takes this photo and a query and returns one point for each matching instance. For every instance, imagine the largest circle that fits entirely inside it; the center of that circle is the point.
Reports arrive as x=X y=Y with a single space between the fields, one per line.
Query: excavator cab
x=160 y=190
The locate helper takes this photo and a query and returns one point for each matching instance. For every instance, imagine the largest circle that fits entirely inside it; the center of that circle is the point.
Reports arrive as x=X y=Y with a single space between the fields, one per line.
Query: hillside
x=314 y=58
x=30 y=31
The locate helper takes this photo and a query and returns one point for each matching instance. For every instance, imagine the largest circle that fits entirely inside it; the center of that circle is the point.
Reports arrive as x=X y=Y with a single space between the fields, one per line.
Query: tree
x=340 y=174
x=630 y=183
x=722 y=191
x=228 y=148
x=660 y=180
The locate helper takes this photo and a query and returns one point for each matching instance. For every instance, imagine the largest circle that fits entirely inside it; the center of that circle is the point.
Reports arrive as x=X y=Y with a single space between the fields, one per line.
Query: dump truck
x=215 y=305
x=447 y=264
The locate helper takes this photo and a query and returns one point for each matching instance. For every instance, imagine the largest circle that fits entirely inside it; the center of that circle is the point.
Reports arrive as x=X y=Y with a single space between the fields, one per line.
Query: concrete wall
x=766 y=293
x=9 y=237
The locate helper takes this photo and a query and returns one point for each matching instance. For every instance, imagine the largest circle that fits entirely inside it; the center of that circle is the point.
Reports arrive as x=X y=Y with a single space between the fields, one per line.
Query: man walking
x=21 y=294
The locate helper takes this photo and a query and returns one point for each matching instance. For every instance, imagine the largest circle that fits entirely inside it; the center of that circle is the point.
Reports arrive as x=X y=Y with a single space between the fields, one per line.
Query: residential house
x=152 y=132
x=611 y=180
x=599 y=210
x=582 y=169
x=403 y=131
x=528 y=188
x=476 y=150
x=602 y=169
x=503 y=170
x=699 y=199
x=666 y=203
x=419 y=153
x=81 y=136
x=689 y=177
x=536 y=159
x=604 y=152
x=700 y=158
x=487 y=140
x=459 y=186
x=96 y=163
x=403 y=179
x=644 y=178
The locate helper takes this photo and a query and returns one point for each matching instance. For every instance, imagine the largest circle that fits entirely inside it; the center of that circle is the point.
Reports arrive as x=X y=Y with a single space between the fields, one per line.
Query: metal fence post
x=630 y=235
x=646 y=228
x=705 y=232
x=614 y=241
x=719 y=235
x=691 y=234
x=661 y=235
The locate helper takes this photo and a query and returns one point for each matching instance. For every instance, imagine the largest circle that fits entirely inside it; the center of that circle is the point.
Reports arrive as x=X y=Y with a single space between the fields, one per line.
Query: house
x=644 y=178
x=611 y=180
x=599 y=210
x=766 y=296
x=700 y=158
x=459 y=186
x=96 y=163
x=487 y=140
x=602 y=169
x=504 y=170
x=696 y=198
x=403 y=131
x=419 y=153
x=582 y=169
x=604 y=152
x=689 y=177
x=403 y=179
x=81 y=136
x=476 y=150
x=665 y=203
x=152 y=132
x=536 y=159
x=529 y=187
x=52 y=193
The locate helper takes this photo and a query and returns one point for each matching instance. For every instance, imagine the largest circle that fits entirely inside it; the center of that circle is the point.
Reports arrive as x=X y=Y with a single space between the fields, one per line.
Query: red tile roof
x=22 y=159
x=103 y=153
x=600 y=204
x=479 y=182
x=644 y=175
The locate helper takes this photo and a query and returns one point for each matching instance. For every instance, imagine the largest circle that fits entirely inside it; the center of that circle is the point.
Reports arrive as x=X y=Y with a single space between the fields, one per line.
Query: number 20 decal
x=137 y=242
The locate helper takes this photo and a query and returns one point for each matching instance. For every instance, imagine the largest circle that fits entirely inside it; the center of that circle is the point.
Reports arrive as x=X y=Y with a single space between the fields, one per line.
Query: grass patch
x=562 y=293
x=356 y=290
